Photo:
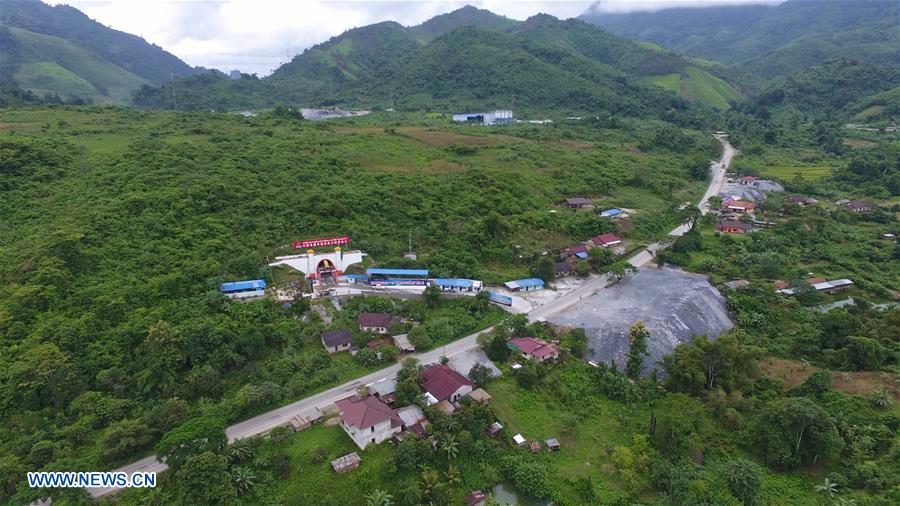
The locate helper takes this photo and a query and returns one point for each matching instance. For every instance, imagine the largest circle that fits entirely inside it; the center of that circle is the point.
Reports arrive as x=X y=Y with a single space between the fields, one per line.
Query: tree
x=199 y=435
x=881 y=398
x=432 y=296
x=409 y=388
x=379 y=497
x=637 y=338
x=244 y=479
x=419 y=338
x=827 y=487
x=619 y=271
x=744 y=479
x=544 y=269
x=530 y=374
x=865 y=354
x=125 y=439
x=450 y=447
x=204 y=479
x=795 y=431
x=479 y=374
x=690 y=216
x=497 y=349
x=240 y=451
x=582 y=269
x=517 y=323
x=703 y=365
x=598 y=258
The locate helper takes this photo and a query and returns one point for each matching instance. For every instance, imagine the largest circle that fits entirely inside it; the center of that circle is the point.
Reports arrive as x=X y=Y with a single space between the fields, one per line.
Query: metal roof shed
x=454 y=283
x=242 y=286
x=397 y=272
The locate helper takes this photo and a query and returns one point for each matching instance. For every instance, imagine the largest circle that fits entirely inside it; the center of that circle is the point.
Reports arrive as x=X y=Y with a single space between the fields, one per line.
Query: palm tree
x=881 y=398
x=827 y=487
x=453 y=476
x=244 y=478
x=379 y=498
x=430 y=483
x=241 y=451
x=451 y=447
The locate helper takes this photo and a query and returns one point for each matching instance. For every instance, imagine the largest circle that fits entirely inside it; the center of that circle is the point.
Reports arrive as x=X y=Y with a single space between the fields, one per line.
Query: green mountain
x=356 y=54
x=540 y=64
x=465 y=16
x=768 y=40
x=58 y=50
x=838 y=88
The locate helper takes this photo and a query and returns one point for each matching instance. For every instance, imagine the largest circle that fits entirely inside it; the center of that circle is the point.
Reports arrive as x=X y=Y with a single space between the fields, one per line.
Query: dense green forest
x=767 y=40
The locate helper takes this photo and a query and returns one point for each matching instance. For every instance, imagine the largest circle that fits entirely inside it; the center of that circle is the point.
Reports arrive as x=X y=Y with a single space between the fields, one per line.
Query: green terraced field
x=789 y=172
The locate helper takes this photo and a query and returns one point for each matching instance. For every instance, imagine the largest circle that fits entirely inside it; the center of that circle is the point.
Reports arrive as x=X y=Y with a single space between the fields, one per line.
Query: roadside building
x=606 y=240
x=739 y=206
x=534 y=349
x=577 y=202
x=337 y=340
x=525 y=285
x=397 y=277
x=353 y=279
x=457 y=284
x=561 y=269
x=498 y=117
x=243 y=289
x=733 y=227
x=368 y=420
x=384 y=389
x=819 y=284
x=578 y=251
x=445 y=384
x=401 y=341
x=375 y=322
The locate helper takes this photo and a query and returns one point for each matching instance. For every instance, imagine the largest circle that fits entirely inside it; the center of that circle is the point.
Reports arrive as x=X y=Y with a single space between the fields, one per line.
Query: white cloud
x=258 y=35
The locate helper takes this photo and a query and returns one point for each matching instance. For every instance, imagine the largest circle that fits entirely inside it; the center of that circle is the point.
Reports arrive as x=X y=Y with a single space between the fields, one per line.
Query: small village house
x=561 y=269
x=534 y=349
x=375 y=322
x=401 y=341
x=525 y=285
x=738 y=206
x=457 y=284
x=346 y=463
x=733 y=227
x=443 y=383
x=578 y=251
x=368 y=420
x=337 y=340
x=577 y=202
x=858 y=206
x=243 y=289
x=606 y=240
x=747 y=180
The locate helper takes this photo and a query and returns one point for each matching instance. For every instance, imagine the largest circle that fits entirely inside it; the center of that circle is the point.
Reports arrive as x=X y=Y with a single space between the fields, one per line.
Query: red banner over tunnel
x=316 y=243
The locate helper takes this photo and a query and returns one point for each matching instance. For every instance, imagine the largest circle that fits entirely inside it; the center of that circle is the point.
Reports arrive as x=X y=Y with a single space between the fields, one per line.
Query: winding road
x=311 y=406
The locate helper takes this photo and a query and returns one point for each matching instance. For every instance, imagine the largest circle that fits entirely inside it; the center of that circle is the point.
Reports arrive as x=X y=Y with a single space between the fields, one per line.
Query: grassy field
x=787 y=173
x=697 y=85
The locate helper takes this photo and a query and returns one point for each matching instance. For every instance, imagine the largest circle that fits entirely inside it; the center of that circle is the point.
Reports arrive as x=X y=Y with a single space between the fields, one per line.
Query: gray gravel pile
x=753 y=192
x=673 y=304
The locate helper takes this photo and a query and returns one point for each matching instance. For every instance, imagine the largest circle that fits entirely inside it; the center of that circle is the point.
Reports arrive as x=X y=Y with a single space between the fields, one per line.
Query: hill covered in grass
x=767 y=40
x=58 y=50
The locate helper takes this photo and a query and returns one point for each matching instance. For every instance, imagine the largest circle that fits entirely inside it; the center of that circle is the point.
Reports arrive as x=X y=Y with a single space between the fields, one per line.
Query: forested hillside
x=768 y=40
x=540 y=65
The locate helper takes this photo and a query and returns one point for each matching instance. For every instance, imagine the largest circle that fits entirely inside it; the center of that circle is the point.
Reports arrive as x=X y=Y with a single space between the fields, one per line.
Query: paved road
x=311 y=406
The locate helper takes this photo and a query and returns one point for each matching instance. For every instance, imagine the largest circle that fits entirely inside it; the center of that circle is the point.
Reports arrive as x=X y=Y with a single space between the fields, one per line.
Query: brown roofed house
x=537 y=349
x=606 y=240
x=368 y=420
x=337 y=340
x=733 y=227
x=443 y=383
x=375 y=322
x=577 y=202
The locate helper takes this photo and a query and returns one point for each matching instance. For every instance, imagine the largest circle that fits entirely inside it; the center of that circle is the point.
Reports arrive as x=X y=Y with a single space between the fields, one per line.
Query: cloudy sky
x=256 y=36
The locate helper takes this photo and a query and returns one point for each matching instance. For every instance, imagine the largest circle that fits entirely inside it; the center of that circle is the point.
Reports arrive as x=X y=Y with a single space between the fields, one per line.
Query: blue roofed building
x=525 y=285
x=457 y=284
x=397 y=277
x=611 y=213
x=243 y=289
x=353 y=278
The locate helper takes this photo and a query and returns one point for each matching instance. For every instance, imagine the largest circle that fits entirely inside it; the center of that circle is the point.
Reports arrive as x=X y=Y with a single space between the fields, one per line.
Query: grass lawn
x=583 y=436
x=314 y=482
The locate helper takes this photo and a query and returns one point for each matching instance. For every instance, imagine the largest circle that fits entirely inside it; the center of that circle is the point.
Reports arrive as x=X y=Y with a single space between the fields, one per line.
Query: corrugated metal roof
x=524 y=283
x=454 y=282
x=353 y=276
x=397 y=272
x=240 y=286
x=611 y=212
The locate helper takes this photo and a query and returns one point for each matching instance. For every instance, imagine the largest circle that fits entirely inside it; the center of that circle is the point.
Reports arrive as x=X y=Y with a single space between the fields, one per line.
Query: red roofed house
x=747 y=179
x=740 y=206
x=580 y=251
x=374 y=322
x=368 y=420
x=733 y=227
x=538 y=349
x=606 y=240
x=443 y=383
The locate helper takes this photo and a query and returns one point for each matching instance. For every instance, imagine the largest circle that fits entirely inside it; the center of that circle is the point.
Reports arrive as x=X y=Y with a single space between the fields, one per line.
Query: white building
x=316 y=265
x=368 y=420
